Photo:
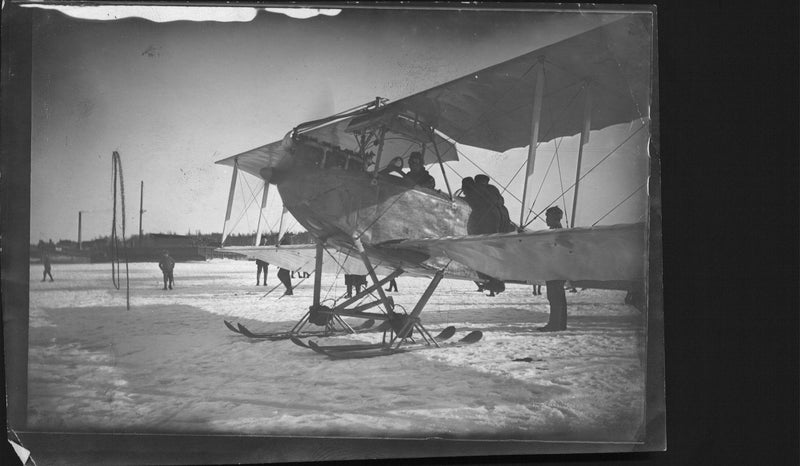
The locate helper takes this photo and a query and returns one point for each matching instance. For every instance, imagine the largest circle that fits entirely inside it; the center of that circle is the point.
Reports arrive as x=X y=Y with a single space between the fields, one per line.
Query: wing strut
x=318 y=272
x=587 y=124
x=230 y=201
x=386 y=302
x=261 y=213
x=382 y=136
x=535 y=120
x=441 y=165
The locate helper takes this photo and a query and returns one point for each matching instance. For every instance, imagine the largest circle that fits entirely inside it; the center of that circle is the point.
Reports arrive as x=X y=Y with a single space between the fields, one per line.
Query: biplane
x=333 y=176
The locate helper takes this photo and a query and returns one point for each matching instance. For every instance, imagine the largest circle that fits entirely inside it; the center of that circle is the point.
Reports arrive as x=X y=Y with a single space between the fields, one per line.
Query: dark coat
x=420 y=178
x=166 y=264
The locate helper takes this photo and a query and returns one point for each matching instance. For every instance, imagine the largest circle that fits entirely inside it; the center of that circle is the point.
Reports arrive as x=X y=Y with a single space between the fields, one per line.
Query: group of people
x=284 y=275
x=353 y=282
x=488 y=215
x=416 y=175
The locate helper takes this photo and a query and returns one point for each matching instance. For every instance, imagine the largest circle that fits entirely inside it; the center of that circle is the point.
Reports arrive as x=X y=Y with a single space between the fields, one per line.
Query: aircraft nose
x=273 y=175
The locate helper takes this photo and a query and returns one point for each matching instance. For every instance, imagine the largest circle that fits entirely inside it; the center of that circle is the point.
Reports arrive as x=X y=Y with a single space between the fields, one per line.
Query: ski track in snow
x=169 y=364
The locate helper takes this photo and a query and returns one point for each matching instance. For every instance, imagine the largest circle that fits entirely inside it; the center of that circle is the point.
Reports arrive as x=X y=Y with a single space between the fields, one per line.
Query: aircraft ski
x=445 y=334
x=275 y=336
x=367 y=351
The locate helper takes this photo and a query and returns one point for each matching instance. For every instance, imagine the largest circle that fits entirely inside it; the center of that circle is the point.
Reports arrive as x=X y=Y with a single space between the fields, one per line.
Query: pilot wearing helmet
x=417 y=175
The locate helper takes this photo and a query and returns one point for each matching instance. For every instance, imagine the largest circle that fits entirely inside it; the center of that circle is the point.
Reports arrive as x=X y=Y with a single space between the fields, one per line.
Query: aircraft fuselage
x=341 y=206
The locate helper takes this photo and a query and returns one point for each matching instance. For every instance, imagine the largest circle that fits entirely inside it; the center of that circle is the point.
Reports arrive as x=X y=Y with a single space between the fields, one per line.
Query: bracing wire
x=562 y=114
x=250 y=203
x=116 y=169
x=587 y=172
x=547 y=172
x=620 y=203
x=245 y=209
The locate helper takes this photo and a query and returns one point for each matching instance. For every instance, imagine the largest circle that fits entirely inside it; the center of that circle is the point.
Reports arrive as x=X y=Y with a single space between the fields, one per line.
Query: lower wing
x=614 y=255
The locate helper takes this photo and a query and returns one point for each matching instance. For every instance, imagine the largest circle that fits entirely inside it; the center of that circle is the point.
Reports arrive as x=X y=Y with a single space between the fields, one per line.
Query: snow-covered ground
x=170 y=365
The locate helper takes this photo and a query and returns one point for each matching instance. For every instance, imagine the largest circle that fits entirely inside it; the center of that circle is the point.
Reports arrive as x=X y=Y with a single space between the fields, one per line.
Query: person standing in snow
x=261 y=266
x=555 y=288
x=46 y=263
x=167 y=264
x=392 y=285
x=285 y=277
x=353 y=281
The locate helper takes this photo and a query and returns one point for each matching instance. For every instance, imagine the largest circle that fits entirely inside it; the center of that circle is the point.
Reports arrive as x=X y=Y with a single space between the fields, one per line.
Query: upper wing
x=302 y=258
x=492 y=108
x=605 y=253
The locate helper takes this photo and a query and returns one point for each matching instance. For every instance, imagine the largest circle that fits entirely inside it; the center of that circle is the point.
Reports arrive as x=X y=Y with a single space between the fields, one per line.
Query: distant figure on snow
x=46 y=263
x=537 y=290
x=555 y=288
x=285 y=277
x=167 y=264
x=392 y=285
x=353 y=281
x=261 y=266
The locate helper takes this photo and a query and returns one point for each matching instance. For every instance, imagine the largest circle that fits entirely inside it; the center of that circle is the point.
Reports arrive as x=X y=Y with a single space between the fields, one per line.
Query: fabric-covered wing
x=606 y=253
x=492 y=108
x=273 y=155
x=302 y=258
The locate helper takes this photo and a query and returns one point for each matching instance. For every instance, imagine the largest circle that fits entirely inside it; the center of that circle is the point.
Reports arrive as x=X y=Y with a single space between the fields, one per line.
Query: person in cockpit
x=417 y=175
x=395 y=166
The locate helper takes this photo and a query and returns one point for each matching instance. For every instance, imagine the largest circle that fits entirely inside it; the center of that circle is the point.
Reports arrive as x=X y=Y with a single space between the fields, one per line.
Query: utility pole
x=141 y=210
x=80 y=213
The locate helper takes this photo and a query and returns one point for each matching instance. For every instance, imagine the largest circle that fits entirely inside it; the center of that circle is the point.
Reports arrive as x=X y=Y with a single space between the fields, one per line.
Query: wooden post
x=80 y=213
x=536 y=115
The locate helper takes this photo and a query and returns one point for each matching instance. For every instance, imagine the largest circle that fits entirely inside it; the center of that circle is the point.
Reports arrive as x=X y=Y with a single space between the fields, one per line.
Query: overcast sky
x=175 y=97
